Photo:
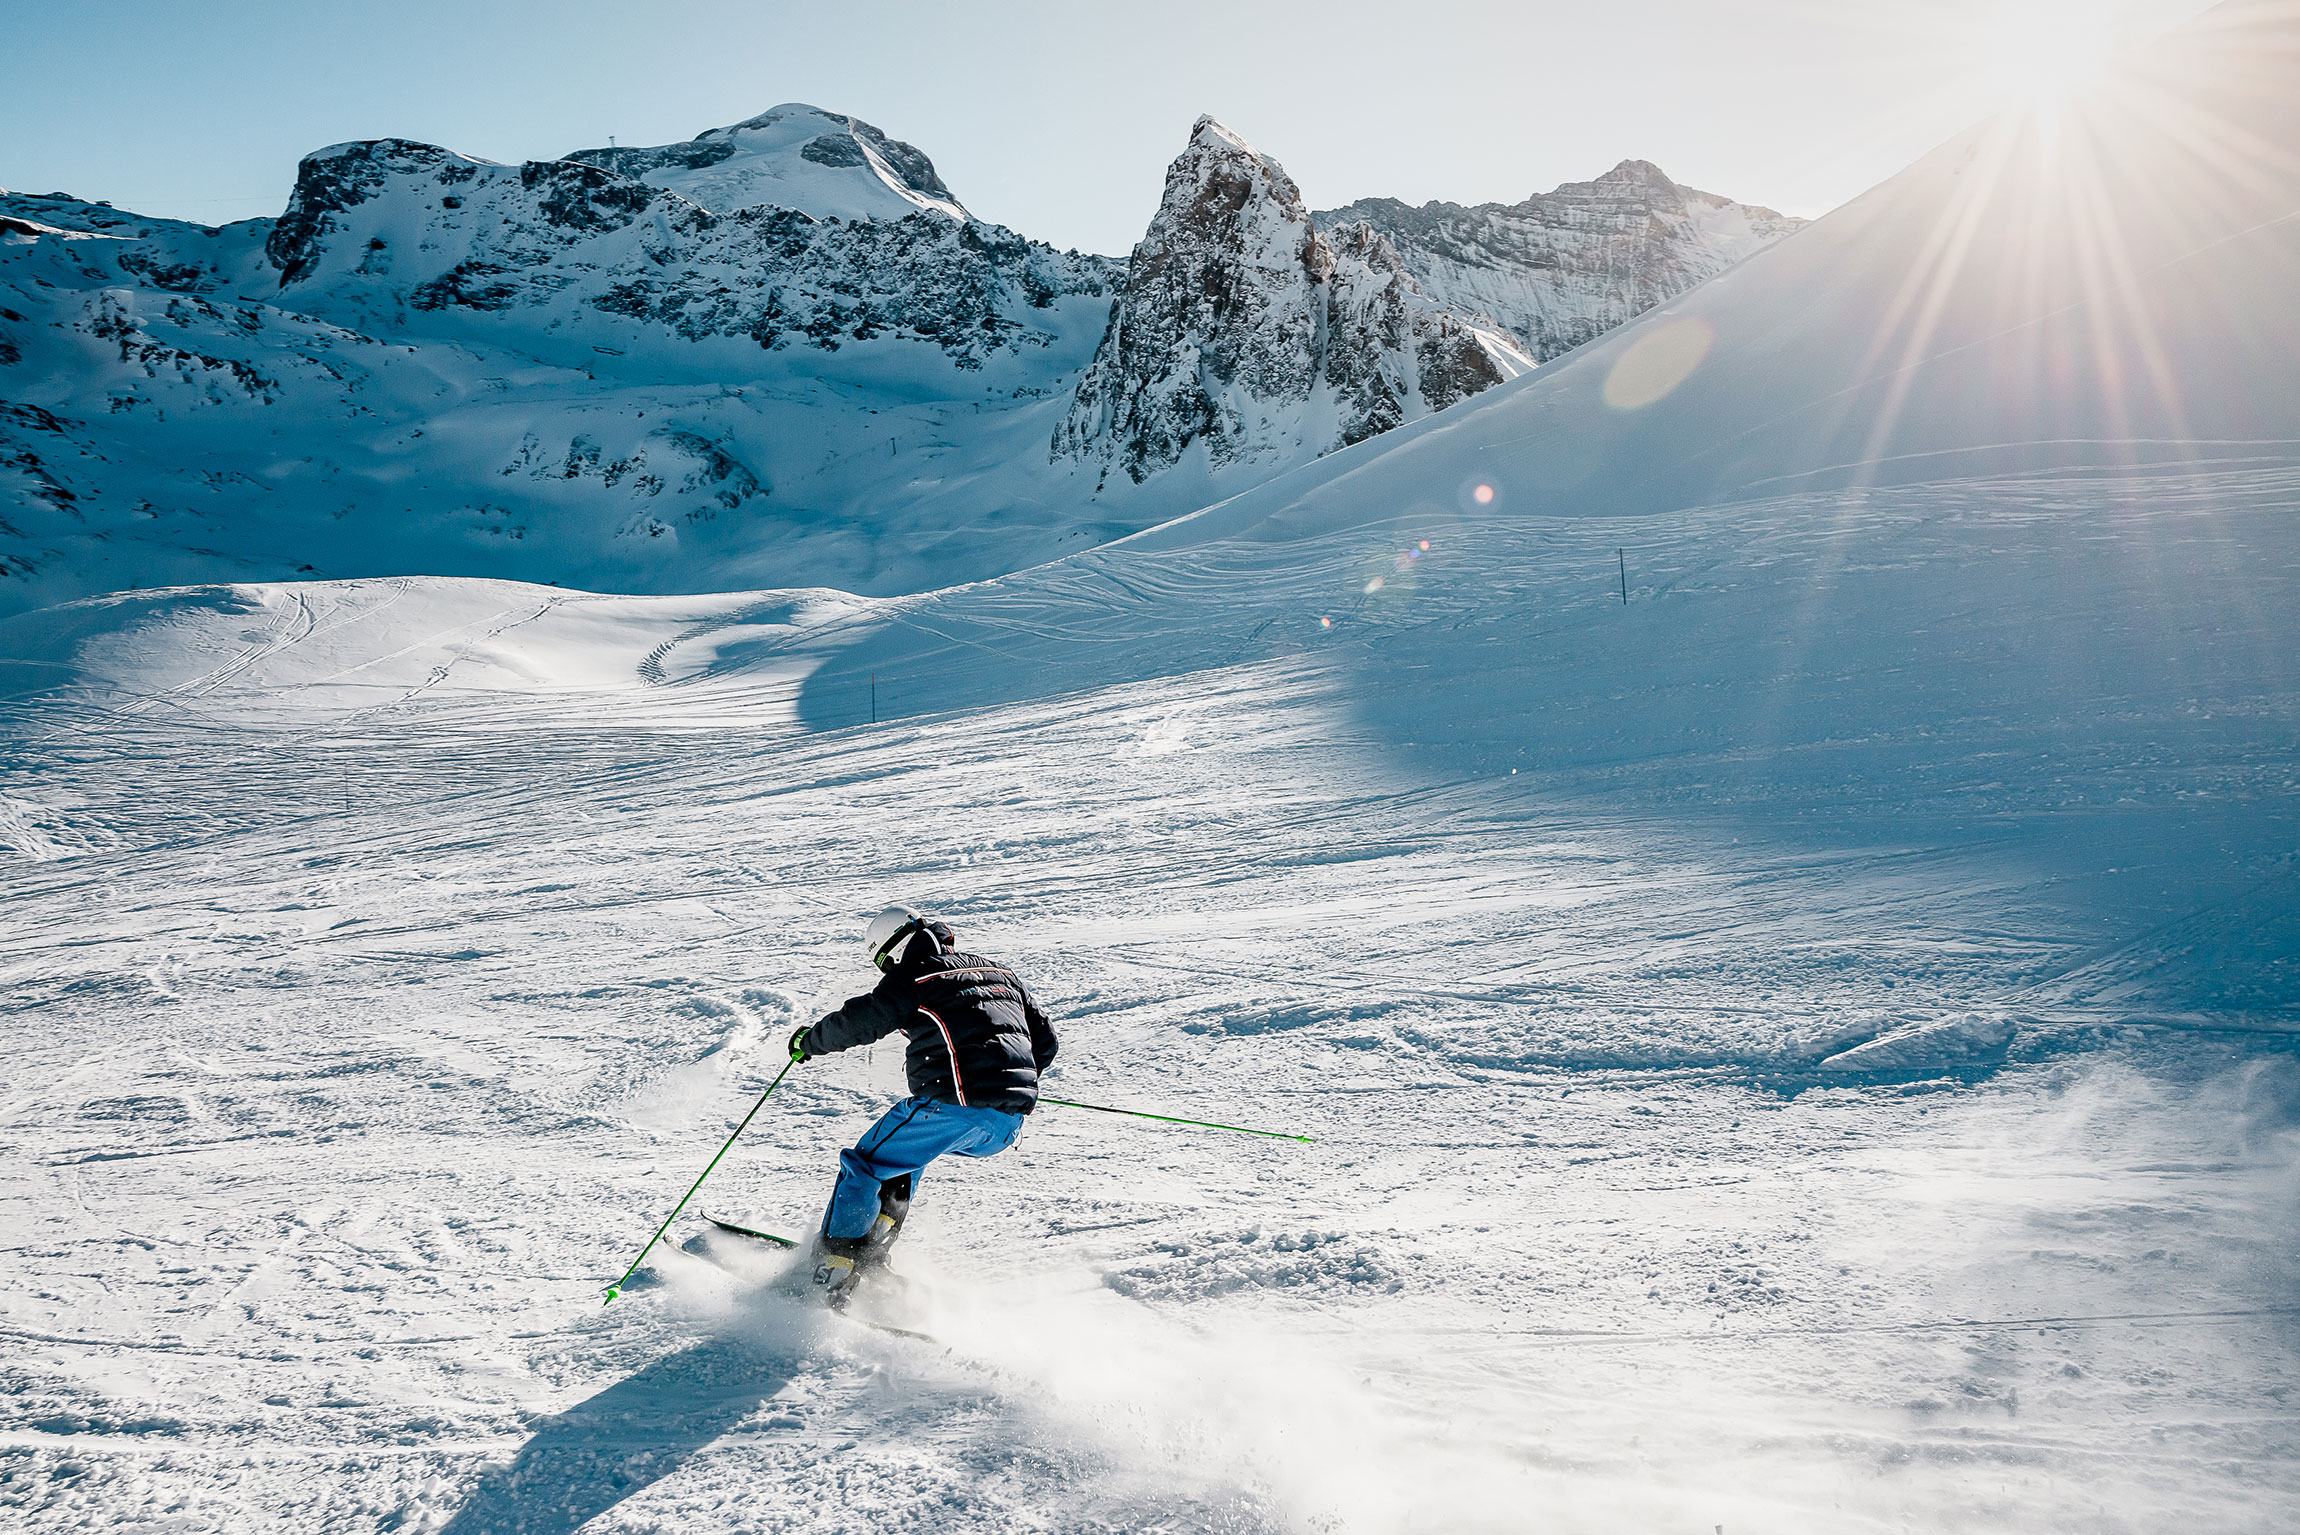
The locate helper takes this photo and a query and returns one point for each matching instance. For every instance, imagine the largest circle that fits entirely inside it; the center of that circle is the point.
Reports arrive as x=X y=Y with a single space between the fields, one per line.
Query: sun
x=2036 y=52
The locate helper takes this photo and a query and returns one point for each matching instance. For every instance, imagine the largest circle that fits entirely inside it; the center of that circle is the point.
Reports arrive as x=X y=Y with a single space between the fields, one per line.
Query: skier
x=977 y=1043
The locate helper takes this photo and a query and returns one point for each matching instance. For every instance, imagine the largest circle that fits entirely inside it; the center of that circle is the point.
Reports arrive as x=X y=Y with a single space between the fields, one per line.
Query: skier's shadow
x=623 y=1440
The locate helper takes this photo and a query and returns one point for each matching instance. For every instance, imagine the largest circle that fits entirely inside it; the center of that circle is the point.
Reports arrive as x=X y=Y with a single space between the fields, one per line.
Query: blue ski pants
x=907 y=1137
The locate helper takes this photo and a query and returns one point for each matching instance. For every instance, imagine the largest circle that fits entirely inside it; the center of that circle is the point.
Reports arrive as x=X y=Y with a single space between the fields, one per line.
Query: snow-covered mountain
x=434 y=363
x=1244 y=330
x=1564 y=267
x=793 y=156
x=777 y=353
x=574 y=257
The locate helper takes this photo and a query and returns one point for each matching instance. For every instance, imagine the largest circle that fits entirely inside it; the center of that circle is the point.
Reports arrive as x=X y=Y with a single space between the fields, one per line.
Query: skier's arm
x=1043 y=1044
x=858 y=1021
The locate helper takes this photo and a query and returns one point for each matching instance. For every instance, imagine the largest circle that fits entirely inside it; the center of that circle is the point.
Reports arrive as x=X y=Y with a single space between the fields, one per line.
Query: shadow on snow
x=623 y=1440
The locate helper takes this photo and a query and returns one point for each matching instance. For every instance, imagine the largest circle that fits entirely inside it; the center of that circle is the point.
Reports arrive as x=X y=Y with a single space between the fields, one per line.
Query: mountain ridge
x=1605 y=250
x=556 y=370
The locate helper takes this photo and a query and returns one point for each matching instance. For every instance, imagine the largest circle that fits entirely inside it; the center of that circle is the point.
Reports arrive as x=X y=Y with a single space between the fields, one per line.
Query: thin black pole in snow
x=1623 y=557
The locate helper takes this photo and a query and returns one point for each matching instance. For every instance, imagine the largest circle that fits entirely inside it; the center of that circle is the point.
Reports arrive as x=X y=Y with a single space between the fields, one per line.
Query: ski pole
x=616 y=1288
x=1203 y=1124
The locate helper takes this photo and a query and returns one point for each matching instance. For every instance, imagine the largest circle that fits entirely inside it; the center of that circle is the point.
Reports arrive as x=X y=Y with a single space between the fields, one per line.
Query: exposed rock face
x=1242 y=328
x=595 y=255
x=794 y=156
x=1560 y=269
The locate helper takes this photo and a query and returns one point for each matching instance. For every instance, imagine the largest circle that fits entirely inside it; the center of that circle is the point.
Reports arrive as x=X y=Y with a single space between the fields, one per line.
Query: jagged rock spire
x=1243 y=329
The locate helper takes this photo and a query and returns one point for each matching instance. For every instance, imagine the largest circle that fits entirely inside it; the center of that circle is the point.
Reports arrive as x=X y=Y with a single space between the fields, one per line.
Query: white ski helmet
x=889 y=934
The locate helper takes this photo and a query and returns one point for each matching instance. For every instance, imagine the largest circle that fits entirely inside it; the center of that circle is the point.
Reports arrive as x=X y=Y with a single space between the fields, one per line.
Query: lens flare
x=1651 y=367
x=1479 y=495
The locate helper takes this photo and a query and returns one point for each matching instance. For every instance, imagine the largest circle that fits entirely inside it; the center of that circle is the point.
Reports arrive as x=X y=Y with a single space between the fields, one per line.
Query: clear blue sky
x=1056 y=119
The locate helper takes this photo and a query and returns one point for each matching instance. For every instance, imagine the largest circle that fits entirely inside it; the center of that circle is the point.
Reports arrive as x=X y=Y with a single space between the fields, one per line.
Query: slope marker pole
x=1203 y=1124
x=616 y=1288
x=1623 y=556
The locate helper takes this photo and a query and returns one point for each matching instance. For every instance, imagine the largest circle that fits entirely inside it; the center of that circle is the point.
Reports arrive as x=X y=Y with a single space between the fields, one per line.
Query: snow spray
x=616 y=1288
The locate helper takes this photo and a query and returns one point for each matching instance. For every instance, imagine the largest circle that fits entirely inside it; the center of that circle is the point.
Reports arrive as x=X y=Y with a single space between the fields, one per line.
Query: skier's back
x=976 y=1045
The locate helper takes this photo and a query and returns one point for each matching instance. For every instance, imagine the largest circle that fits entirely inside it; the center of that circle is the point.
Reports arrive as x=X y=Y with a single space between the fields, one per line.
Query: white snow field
x=1807 y=1047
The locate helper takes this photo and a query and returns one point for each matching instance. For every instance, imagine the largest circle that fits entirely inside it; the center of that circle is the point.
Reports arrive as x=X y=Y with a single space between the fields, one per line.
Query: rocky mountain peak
x=1223 y=194
x=579 y=260
x=1245 y=332
x=824 y=164
x=1360 y=241
x=1640 y=173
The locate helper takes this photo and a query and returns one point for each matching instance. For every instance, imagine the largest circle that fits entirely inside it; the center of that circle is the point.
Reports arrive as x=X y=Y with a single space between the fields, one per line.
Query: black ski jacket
x=975 y=1036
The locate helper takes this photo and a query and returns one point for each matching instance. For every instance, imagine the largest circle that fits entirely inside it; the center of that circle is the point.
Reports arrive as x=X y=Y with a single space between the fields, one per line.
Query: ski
x=886 y=1327
x=750 y=1231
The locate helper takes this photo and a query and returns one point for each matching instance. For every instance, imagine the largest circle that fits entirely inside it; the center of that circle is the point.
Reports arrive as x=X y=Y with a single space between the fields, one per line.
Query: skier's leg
x=876 y=1177
x=990 y=1132
x=993 y=1131
x=897 y=1145
x=894 y=1198
x=893 y=1209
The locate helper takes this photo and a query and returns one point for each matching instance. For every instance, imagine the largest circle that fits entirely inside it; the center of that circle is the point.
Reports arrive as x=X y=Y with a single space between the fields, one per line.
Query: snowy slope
x=822 y=163
x=1564 y=267
x=2105 y=293
x=164 y=253
x=1807 y=1048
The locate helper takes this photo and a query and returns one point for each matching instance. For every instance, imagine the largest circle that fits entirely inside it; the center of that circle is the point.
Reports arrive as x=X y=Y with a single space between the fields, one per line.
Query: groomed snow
x=365 y=1047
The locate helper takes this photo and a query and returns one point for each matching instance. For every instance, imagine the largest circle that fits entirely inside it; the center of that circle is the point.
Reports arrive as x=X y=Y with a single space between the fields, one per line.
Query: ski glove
x=798 y=1045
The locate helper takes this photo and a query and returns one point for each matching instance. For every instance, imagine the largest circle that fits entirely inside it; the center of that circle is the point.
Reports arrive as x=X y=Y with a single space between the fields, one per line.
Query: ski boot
x=893 y=1209
x=835 y=1269
x=840 y=1262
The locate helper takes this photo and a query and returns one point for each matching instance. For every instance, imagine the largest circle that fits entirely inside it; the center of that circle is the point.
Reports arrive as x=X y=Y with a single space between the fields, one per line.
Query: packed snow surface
x=1765 y=866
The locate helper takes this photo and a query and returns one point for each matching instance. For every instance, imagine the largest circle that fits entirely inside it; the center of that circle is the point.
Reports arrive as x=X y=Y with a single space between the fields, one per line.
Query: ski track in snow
x=1684 y=1158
